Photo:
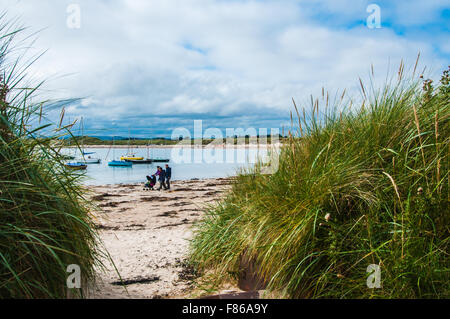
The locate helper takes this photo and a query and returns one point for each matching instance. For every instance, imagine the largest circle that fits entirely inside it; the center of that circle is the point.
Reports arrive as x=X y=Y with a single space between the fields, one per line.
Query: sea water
x=186 y=164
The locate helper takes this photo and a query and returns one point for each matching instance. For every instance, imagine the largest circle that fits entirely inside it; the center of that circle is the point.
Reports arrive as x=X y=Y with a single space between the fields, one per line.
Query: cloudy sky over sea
x=152 y=66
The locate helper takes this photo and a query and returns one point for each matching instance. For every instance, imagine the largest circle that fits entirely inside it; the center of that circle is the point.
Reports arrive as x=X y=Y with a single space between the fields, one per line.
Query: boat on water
x=155 y=159
x=120 y=164
x=76 y=166
x=131 y=157
x=142 y=161
x=89 y=160
x=160 y=160
x=67 y=157
x=86 y=157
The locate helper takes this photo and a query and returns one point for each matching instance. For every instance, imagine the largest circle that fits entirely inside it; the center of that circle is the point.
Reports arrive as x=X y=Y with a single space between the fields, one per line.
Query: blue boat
x=120 y=164
x=76 y=166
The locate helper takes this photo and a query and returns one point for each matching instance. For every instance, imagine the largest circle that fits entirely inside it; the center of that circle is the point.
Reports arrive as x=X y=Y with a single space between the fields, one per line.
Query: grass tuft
x=45 y=224
x=355 y=187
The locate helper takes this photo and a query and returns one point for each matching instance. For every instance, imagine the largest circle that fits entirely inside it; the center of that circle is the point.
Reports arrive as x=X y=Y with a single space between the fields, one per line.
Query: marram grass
x=45 y=224
x=355 y=187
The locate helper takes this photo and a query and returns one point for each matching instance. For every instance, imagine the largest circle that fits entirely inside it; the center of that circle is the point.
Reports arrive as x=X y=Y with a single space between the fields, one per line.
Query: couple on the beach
x=164 y=177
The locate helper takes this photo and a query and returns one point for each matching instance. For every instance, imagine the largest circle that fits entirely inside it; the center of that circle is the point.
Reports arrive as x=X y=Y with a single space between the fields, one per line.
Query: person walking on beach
x=162 y=177
x=168 y=175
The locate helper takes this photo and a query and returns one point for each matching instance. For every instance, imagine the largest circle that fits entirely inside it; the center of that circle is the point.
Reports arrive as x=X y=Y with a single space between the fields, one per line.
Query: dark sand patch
x=213 y=193
x=184 y=222
x=181 y=204
x=137 y=280
x=171 y=213
x=216 y=184
x=135 y=225
x=191 y=190
x=160 y=199
x=113 y=204
x=189 y=210
x=104 y=196
x=103 y=227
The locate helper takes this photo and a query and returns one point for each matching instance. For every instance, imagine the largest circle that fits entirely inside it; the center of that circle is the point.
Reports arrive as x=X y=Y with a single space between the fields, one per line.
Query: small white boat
x=86 y=158
x=89 y=160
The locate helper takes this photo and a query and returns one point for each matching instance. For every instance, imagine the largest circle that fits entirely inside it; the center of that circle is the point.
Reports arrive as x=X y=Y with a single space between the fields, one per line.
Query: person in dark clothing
x=162 y=178
x=168 y=175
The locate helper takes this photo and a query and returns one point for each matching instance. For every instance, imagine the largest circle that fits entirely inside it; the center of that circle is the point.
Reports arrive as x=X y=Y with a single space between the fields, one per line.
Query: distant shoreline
x=218 y=146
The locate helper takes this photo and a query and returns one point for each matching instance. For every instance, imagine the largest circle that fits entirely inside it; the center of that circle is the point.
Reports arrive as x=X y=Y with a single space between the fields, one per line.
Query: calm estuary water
x=186 y=164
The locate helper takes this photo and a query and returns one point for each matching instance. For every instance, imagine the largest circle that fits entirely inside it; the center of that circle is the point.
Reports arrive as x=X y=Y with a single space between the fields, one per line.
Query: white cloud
x=228 y=58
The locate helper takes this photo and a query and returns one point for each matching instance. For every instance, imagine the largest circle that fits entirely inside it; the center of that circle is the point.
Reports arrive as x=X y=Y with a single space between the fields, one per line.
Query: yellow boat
x=131 y=158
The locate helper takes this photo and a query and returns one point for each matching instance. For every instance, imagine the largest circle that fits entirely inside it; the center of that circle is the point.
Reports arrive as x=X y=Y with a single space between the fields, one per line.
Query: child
x=151 y=182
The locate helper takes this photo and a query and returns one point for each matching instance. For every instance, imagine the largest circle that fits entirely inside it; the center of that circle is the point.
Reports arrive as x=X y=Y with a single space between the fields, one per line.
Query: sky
x=146 y=67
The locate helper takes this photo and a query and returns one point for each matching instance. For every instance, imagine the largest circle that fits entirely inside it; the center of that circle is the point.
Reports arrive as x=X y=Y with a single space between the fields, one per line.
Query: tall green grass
x=356 y=185
x=45 y=223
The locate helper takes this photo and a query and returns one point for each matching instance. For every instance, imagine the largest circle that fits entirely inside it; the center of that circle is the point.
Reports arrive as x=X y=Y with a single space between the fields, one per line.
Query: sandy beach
x=147 y=233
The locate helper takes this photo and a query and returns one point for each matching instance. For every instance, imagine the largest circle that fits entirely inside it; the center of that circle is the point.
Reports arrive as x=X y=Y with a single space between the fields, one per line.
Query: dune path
x=147 y=235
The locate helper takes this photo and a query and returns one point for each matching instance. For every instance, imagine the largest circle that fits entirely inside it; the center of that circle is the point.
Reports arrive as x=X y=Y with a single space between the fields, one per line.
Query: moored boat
x=142 y=161
x=131 y=157
x=67 y=157
x=76 y=166
x=89 y=160
x=120 y=164
x=92 y=161
x=156 y=159
x=160 y=160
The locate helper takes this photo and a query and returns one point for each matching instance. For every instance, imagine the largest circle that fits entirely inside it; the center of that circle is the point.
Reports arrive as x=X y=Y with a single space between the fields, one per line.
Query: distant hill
x=117 y=140
x=120 y=140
